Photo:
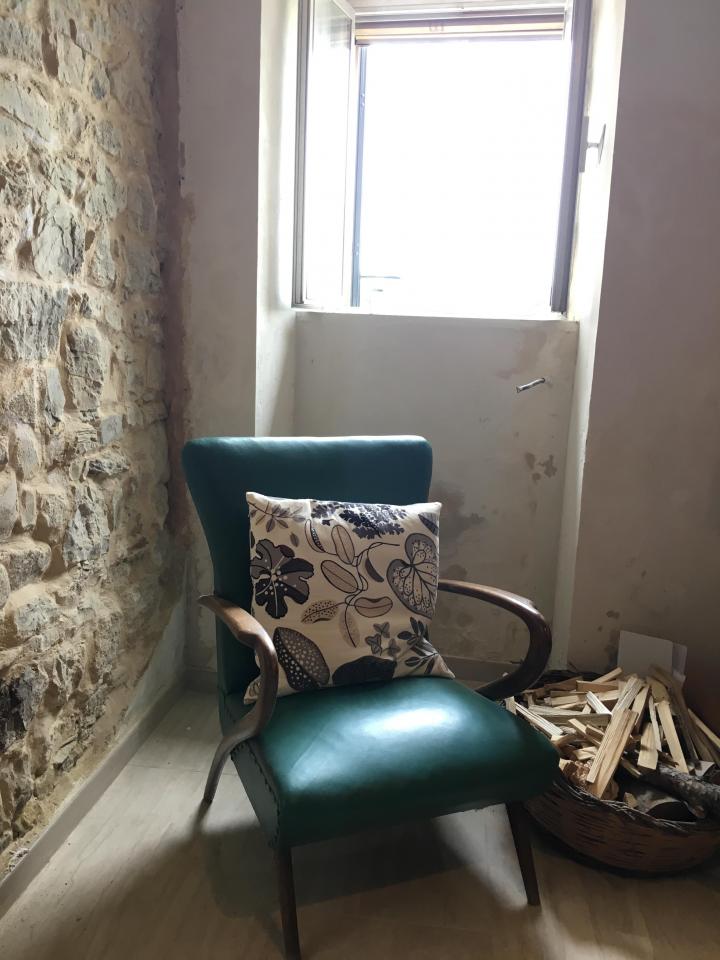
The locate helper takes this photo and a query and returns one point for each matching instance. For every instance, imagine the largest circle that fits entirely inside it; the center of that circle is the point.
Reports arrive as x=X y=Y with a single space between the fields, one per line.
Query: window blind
x=444 y=24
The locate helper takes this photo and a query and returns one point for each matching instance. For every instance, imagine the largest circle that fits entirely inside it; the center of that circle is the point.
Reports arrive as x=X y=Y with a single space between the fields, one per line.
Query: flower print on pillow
x=346 y=590
x=277 y=574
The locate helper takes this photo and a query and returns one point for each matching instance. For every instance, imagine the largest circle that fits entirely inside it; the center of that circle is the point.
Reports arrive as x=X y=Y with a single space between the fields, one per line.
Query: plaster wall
x=219 y=92
x=275 y=363
x=499 y=455
x=648 y=552
x=586 y=280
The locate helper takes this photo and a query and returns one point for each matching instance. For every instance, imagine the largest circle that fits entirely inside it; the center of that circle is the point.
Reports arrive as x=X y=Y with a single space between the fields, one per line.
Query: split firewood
x=610 y=751
x=549 y=729
x=596 y=703
x=639 y=703
x=648 y=756
x=666 y=719
x=652 y=713
x=678 y=701
x=612 y=675
x=640 y=726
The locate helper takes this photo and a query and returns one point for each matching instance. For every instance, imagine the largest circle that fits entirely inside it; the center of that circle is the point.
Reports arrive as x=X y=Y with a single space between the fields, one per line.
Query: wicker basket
x=618 y=836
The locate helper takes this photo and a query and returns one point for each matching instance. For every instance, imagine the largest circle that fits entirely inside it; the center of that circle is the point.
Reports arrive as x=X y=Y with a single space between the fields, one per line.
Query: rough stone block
x=20 y=41
x=142 y=269
x=109 y=463
x=28 y=613
x=101 y=269
x=25 y=453
x=8 y=503
x=71 y=62
x=88 y=535
x=15 y=183
x=54 y=397
x=25 y=560
x=141 y=206
x=53 y=513
x=27 y=514
x=4 y=586
x=105 y=196
x=86 y=362
x=30 y=320
x=61 y=174
x=111 y=428
x=20 y=697
x=23 y=101
x=58 y=248
x=108 y=137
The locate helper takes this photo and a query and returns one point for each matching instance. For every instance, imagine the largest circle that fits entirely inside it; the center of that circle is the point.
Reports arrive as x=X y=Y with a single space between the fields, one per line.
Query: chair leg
x=288 y=909
x=520 y=828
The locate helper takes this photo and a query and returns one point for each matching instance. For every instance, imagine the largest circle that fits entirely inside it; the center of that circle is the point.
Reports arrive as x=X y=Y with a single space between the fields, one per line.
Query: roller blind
x=383 y=21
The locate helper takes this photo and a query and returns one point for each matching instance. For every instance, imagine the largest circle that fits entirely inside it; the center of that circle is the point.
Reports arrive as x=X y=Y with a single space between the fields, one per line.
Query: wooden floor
x=144 y=876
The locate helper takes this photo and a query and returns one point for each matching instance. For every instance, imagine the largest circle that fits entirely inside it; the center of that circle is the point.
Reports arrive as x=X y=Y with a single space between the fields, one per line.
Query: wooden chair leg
x=288 y=909
x=520 y=828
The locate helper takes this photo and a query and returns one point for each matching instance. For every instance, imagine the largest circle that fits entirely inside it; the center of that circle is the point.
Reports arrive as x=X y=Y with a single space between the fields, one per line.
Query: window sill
x=487 y=319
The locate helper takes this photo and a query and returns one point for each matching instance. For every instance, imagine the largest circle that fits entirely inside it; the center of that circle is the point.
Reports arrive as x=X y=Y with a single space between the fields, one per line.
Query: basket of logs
x=638 y=786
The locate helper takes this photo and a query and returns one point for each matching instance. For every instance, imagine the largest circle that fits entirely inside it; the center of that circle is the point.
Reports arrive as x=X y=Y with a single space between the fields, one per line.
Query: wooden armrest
x=246 y=629
x=540 y=636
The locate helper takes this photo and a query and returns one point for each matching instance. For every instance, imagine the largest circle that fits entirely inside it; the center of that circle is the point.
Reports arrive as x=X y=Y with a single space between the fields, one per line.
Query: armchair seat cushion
x=344 y=759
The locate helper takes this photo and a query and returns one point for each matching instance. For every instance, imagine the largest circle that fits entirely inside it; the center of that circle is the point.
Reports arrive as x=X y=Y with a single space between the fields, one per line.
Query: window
x=438 y=155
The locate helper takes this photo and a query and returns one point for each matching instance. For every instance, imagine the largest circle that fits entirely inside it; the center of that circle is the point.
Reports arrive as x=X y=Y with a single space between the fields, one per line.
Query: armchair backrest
x=220 y=470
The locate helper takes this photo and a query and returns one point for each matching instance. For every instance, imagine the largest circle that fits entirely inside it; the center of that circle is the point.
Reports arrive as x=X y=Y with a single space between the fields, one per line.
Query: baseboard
x=82 y=799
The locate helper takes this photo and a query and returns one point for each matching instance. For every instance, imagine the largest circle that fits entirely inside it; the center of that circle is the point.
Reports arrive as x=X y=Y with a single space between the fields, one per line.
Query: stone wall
x=86 y=562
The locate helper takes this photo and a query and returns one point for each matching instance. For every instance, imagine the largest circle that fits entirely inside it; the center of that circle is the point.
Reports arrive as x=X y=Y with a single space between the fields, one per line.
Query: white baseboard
x=82 y=799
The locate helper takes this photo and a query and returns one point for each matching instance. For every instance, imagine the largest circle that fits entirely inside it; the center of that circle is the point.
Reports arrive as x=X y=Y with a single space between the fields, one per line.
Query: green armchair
x=412 y=748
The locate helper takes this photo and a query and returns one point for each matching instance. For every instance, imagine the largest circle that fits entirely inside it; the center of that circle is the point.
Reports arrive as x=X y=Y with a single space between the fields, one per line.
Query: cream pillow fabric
x=346 y=590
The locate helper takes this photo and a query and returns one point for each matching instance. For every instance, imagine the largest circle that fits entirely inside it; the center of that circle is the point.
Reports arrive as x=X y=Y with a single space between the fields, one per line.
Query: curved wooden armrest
x=540 y=636
x=245 y=628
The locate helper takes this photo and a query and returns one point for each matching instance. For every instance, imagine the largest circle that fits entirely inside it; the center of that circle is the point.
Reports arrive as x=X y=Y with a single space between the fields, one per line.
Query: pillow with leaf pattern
x=346 y=590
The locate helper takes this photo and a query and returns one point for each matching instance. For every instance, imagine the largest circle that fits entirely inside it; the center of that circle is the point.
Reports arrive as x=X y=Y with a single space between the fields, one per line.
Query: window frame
x=573 y=151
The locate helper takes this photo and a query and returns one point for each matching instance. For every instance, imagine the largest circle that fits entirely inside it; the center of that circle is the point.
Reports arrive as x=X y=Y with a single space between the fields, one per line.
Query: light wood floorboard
x=144 y=877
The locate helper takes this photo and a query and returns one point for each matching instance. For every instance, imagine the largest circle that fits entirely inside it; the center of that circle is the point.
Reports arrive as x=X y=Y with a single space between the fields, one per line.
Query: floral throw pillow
x=346 y=590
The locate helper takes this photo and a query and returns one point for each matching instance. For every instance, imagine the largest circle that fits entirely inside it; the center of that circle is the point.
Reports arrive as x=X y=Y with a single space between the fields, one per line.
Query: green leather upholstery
x=335 y=761
x=220 y=470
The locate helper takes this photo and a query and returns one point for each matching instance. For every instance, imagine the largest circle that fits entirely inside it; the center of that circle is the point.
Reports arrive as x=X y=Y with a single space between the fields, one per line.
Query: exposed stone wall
x=86 y=563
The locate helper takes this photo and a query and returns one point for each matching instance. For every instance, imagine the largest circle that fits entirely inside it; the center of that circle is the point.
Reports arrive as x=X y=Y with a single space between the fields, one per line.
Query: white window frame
x=575 y=144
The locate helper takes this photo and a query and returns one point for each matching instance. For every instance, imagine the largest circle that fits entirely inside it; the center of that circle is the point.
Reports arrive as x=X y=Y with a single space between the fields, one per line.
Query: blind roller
x=437 y=22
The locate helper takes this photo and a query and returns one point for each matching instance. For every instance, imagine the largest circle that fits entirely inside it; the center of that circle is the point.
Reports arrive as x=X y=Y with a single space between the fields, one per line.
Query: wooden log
x=693 y=791
x=610 y=752
x=668 y=725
